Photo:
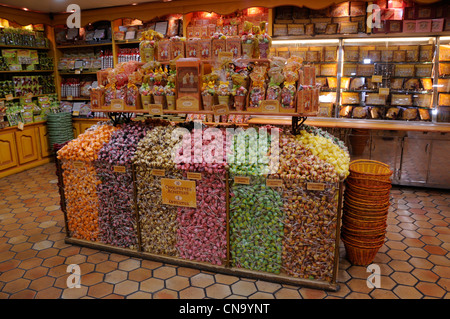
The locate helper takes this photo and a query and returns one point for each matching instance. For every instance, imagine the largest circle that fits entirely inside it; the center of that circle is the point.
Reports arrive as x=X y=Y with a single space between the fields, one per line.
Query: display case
x=387 y=79
x=443 y=81
x=324 y=55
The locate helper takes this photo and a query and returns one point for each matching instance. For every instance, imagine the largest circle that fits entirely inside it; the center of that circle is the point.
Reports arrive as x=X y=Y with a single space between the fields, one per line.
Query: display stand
x=226 y=268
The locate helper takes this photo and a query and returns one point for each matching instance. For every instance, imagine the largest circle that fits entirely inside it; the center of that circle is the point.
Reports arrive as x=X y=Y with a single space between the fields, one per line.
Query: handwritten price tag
x=9 y=97
x=194 y=176
x=315 y=186
x=20 y=126
x=383 y=91
x=377 y=78
x=119 y=169
x=242 y=180
x=155 y=109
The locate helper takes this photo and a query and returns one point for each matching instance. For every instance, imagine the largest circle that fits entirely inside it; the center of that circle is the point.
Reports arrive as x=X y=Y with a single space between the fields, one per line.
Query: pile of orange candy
x=80 y=181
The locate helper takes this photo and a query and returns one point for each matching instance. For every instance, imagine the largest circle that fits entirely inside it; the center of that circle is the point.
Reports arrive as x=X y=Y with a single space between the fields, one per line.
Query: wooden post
x=338 y=233
x=227 y=190
x=136 y=208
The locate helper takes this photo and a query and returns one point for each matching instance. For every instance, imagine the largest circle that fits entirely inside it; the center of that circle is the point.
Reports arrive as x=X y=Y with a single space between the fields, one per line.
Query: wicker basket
x=366 y=234
x=360 y=256
x=363 y=243
x=349 y=219
x=369 y=182
x=364 y=202
x=365 y=217
x=366 y=210
x=367 y=198
x=369 y=168
x=367 y=190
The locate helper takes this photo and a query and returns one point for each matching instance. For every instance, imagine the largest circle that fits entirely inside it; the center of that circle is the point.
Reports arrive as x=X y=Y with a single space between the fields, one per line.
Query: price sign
x=20 y=126
x=315 y=186
x=70 y=98
x=178 y=192
x=274 y=182
x=220 y=109
x=383 y=91
x=117 y=104
x=29 y=95
x=242 y=180
x=194 y=176
x=9 y=97
x=120 y=169
x=158 y=172
x=78 y=164
x=377 y=78
x=77 y=71
x=155 y=109
x=76 y=113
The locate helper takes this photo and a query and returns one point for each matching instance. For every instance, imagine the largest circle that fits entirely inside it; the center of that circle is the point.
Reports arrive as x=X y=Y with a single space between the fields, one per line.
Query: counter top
x=357 y=124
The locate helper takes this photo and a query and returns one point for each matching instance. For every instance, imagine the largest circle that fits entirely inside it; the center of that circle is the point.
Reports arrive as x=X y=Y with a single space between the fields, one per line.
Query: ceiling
x=61 y=5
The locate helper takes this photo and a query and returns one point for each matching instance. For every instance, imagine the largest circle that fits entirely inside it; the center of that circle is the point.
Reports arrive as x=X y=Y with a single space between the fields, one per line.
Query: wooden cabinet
x=23 y=149
x=85 y=126
x=45 y=146
x=8 y=152
x=26 y=145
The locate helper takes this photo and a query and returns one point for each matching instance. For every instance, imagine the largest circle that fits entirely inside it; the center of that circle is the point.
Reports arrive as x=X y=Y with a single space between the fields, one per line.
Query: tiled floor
x=414 y=261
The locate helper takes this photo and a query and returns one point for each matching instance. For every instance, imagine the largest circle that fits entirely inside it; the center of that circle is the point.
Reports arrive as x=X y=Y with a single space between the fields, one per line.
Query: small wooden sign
x=315 y=186
x=270 y=106
x=29 y=95
x=220 y=109
x=155 y=109
x=20 y=126
x=9 y=97
x=70 y=98
x=77 y=71
x=274 y=182
x=120 y=169
x=76 y=113
x=377 y=78
x=242 y=180
x=194 y=176
x=158 y=172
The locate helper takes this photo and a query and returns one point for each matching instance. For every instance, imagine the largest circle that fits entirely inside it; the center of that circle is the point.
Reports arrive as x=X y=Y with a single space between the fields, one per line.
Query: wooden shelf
x=361 y=36
x=86 y=45
x=380 y=62
x=19 y=97
x=197 y=112
x=3 y=46
x=76 y=99
x=119 y=42
x=24 y=71
x=81 y=73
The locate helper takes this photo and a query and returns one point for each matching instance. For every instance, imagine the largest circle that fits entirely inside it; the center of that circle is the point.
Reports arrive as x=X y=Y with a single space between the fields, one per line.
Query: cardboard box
x=204 y=47
x=177 y=49
x=341 y=9
x=395 y=26
x=280 y=30
x=437 y=25
x=425 y=12
x=296 y=29
x=217 y=46
x=192 y=49
x=163 y=51
x=409 y=26
x=423 y=25
x=233 y=45
x=357 y=8
x=189 y=75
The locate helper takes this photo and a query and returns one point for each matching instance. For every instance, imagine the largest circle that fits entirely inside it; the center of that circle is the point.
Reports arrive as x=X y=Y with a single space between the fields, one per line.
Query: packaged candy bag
x=289 y=89
x=132 y=94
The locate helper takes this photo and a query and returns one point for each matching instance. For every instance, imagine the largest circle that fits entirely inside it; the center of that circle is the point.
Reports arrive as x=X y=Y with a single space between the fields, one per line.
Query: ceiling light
x=305 y=41
x=25 y=9
x=134 y=4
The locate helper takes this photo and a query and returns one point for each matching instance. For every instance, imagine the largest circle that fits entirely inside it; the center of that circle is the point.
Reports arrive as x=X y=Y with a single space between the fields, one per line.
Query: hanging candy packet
x=132 y=94
x=288 y=91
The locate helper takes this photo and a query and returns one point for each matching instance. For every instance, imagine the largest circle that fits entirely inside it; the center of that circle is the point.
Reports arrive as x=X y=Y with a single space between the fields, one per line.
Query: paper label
x=178 y=192
x=194 y=176
x=77 y=71
x=120 y=169
x=20 y=126
x=9 y=97
x=76 y=113
x=29 y=95
x=377 y=78
x=315 y=186
x=274 y=182
x=270 y=105
x=242 y=180
x=70 y=98
x=220 y=109
x=158 y=172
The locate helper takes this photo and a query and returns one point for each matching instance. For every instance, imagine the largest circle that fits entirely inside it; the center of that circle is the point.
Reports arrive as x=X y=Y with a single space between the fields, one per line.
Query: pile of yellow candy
x=326 y=150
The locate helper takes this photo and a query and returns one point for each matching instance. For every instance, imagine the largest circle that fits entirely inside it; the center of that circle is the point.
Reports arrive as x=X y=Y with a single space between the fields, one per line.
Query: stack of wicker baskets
x=366 y=204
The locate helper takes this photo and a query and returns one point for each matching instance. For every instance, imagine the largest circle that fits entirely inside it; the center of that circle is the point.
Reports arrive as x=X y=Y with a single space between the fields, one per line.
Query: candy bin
x=202 y=232
x=81 y=181
x=116 y=214
x=154 y=162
